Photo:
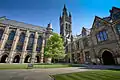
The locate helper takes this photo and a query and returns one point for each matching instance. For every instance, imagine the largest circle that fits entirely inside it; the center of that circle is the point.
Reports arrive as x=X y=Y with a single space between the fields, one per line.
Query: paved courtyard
x=35 y=74
x=43 y=74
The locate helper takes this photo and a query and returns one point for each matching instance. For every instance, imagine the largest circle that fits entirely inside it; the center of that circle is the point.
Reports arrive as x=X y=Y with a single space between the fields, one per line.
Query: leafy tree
x=54 y=47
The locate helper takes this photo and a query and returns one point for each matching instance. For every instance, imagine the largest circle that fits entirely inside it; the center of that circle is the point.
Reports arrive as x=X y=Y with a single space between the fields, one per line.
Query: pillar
x=42 y=50
x=12 y=51
x=4 y=38
x=34 y=48
x=24 y=52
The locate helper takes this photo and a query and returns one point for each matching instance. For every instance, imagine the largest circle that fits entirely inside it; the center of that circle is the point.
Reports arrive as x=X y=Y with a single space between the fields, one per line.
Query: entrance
x=4 y=59
x=108 y=58
x=16 y=59
x=37 y=59
x=27 y=59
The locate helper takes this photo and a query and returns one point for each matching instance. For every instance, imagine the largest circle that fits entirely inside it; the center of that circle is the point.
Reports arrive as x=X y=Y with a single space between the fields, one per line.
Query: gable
x=98 y=22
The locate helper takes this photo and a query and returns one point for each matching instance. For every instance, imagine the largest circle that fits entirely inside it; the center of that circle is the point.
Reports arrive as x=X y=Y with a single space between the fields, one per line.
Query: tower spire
x=65 y=10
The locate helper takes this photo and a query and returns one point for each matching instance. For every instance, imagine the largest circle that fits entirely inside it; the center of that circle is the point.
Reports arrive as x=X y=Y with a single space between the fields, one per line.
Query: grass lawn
x=90 y=75
x=51 y=65
x=24 y=66
x=13 y=66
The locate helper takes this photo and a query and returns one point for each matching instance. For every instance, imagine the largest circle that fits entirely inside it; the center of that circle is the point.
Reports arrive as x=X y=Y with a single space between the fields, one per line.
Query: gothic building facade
x=21 y=42
x=99 y=44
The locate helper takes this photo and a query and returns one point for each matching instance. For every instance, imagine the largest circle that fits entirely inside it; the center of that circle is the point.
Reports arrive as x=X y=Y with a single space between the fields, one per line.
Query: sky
x=41 y=12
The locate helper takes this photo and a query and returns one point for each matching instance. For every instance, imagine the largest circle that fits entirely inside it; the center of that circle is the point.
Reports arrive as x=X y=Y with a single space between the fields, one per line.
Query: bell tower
x=66 y=26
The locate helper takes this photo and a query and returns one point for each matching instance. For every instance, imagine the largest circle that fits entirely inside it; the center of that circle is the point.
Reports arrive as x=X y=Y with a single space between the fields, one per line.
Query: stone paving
x=43 y=74
x=35 y=74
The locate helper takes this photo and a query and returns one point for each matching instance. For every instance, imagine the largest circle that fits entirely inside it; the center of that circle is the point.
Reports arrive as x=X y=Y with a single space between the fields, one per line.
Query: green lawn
x=51 y=66
x=90 y=75
x=24 y=66
x=13 y=66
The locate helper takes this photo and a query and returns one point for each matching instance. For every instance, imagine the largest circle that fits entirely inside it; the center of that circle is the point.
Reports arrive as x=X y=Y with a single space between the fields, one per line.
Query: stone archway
x=37 y=59
x=108 y=58
x=27 y=59
x=4 y=58
x=16 y=59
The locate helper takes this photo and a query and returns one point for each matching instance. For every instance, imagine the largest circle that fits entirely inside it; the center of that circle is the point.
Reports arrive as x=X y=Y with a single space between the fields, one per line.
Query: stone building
x=101 y=43
x=21 y=42
x=66 y=29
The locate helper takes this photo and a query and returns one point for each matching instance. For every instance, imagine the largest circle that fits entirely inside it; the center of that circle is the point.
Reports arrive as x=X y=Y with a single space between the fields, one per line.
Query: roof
x=15 y=23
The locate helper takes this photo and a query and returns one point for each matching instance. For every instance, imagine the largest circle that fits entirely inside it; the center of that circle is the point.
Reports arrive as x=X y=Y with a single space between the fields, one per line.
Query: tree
x=54 y=47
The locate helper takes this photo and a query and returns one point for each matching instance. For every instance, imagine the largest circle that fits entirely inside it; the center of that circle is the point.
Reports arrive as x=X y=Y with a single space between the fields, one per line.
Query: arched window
x=39 y=44
x=102 y=36
x=10 y=40
x=1 y=33
x=118 y=28
x=66 y=26
x=20 y=42
x=30 y=42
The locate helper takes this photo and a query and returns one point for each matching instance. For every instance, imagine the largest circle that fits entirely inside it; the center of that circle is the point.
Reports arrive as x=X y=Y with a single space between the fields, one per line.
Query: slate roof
x=21 y=24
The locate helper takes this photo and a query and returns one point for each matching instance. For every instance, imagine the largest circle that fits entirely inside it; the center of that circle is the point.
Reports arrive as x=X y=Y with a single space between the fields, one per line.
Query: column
x=15 y=41
x=34 y=48
x=42 y=50
x=4 y=38
x=24 y=52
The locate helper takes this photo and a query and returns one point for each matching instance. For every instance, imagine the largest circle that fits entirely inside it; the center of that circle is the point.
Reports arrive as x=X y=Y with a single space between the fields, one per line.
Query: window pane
x=118 y=28
x=101 y=36
x=98 y=37
x=1 y=33
x=105 y=35
x=30 y=42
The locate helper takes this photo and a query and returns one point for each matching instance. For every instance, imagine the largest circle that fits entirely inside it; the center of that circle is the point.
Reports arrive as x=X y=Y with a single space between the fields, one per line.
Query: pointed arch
x=4 y=58
x=21 y=41
x=39 y=43
x=10 y=40
x=30 y=42
x=1 y=33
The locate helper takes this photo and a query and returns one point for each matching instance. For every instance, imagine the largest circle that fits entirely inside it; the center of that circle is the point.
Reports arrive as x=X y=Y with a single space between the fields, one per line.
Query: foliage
x=54 y=47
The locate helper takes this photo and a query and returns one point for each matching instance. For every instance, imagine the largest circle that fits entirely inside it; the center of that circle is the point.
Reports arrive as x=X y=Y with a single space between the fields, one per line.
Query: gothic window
x=10 y=40
x=1 y=33
x=39 y=44
x=102 y=36
x=118 y=28
x=30 y=42
x=20 y=42
x=98 y=37
x=105 y=35
x=66 y=26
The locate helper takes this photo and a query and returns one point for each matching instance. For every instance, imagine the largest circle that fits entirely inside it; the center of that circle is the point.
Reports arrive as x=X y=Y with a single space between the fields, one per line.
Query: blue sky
x=41 y=12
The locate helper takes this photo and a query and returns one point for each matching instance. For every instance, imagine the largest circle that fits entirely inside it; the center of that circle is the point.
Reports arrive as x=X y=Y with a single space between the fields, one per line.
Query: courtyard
x=59 y=72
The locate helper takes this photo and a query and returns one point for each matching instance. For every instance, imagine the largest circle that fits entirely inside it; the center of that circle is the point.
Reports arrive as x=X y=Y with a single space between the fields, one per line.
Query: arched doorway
x=16 y=59
x=37 y=59
x=108 y=58
x=27 y=59
x=4 y=58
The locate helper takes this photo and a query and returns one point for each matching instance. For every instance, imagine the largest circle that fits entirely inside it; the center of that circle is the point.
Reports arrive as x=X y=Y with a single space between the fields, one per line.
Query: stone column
x=34 y=48
x=13 y=47
x=4 y=38
x=24 y=52
x=42 y=50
